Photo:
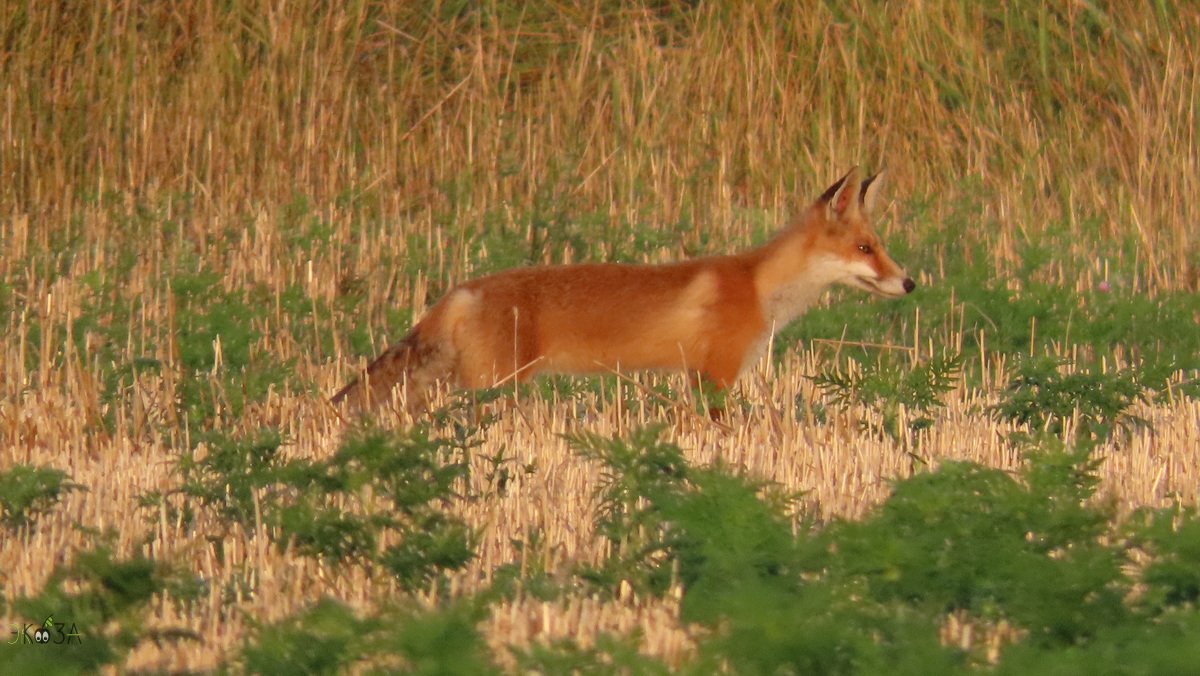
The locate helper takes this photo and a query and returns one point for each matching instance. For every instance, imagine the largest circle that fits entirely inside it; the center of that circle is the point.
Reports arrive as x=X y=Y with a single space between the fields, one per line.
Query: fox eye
x=865 y=248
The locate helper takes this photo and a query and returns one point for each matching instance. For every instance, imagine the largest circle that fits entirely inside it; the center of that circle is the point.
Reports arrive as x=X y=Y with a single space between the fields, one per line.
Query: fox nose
x=909 y=285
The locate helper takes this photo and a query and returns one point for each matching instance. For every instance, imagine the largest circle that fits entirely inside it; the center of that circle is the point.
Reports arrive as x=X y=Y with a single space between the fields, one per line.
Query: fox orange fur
x=710 y=316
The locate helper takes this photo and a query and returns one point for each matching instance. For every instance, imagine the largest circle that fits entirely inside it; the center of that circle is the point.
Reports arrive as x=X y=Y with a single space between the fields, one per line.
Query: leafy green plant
x=98 y=604
x=529 y=574
x=744 y=575
x=1035 y=550
x=328 y=637
x=976 y=539
x=340 y=507
x=215 y=360
x=632 y=470
x=224 y=473
x=215 y=337
x=1171 y=536
x=27 y=491
x=890 y=389
x=1042 y=395
x=413 y=476
x=325 y=637
x=729 y=543
x=610 y=655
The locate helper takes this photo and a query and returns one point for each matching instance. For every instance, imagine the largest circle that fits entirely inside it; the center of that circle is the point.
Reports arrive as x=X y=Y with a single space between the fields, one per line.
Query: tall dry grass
x=1060 y=115
x=139 y=139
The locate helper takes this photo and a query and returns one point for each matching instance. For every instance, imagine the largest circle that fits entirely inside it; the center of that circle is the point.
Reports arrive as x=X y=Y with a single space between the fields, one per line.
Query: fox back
x=710 y=317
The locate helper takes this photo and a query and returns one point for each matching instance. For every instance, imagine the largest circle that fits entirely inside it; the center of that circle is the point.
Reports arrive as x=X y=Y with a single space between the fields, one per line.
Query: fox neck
x=789 y=277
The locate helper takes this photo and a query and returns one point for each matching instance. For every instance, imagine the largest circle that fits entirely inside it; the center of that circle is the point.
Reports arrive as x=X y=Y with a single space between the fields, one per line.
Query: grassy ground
x=211 y=215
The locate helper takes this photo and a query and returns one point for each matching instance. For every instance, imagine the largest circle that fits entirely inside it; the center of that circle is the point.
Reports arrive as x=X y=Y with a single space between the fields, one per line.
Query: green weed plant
x=781 y=594
x=379 y=486
x=28 y=491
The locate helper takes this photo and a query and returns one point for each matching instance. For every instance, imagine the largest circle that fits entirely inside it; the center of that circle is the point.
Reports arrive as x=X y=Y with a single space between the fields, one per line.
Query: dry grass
x=1060 y=117
x=140 y=139
x=842 y=471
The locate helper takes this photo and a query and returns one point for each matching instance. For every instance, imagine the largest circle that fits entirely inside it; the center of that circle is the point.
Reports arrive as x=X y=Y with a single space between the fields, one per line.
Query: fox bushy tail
x=413 y=362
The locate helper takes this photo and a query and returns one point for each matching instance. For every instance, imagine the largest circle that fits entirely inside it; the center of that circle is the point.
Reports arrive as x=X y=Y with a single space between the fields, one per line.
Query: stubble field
x=211 y=216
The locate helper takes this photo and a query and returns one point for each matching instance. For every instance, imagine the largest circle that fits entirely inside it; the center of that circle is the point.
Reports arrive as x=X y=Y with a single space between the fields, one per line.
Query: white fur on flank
x=691 y=310
x=462 y=314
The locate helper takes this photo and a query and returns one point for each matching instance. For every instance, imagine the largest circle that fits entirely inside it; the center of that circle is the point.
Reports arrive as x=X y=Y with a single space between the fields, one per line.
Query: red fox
x=711 y=317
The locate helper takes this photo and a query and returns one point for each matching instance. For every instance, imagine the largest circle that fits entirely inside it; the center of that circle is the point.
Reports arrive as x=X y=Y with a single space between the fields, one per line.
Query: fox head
x=838 y=232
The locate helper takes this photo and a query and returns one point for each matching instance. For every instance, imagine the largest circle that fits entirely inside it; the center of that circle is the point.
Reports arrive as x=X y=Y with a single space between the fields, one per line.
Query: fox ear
x=842 y=198
x=870 y=192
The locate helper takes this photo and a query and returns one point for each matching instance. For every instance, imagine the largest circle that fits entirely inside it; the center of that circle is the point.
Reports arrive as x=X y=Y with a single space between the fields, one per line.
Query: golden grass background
x=184 y=133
